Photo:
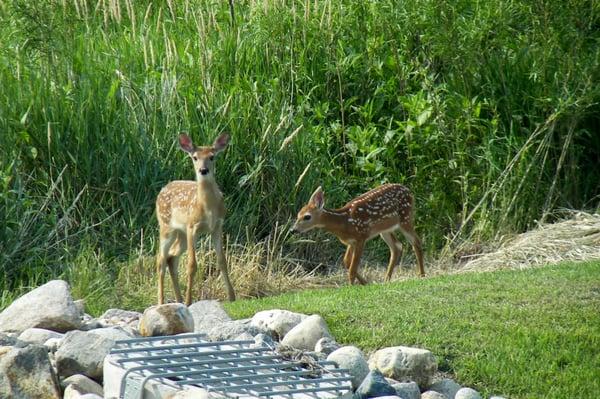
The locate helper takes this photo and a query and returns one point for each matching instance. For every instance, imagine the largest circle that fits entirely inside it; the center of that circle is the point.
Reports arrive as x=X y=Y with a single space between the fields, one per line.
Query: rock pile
x=49 y=347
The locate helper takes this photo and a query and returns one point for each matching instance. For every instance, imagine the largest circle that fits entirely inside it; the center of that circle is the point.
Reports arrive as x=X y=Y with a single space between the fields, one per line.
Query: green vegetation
x=487 y=110
x=521 y=334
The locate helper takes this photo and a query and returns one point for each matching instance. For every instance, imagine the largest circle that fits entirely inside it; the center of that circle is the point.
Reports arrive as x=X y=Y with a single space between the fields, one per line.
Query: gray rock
x=11 y=340
x=120 y=318
x=26 y=373
x=447 y=387
x=467 y=393
x=75 y=392
x=83 y=384
x=433 y=395
x=49 y=306
x=38 y=335
x=53 y=344
x=91 y=324
x=245 y=336
x=114 y=333
x=207 y=315
x=305 y=335
x=167 y=319
x=82 y=352
x=351 y=358
x=497 y=397
x=407 y=390
x=7 y=340
x=231 y=329
x=264 y=340
x=278 y=322
x=80 y=303
x=374 y=386
x=326 y=345
x=405 y=364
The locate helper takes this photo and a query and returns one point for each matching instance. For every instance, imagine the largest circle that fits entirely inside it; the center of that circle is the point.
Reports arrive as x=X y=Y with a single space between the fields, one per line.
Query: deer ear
x=318 y=198
x=185 y=142
x=221 y=142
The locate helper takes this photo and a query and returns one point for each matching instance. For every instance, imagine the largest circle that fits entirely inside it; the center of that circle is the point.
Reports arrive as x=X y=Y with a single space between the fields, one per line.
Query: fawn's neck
x=335 y=221
x=205 y=187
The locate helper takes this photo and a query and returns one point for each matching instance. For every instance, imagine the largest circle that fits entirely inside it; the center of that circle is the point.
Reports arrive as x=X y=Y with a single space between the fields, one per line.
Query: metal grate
x=233 y=369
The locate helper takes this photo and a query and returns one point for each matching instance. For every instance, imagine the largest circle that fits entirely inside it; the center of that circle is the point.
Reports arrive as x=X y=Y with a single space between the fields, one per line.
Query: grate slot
x=280 y=383
x=189 y=354
x=180 y=346
x=306 y=390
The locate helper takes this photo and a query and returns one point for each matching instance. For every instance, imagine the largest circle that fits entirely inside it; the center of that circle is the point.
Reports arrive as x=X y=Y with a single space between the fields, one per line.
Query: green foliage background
x=488 y=110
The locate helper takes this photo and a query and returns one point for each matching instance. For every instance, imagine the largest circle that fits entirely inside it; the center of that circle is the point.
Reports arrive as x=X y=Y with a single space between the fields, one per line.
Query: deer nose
x=204 y=171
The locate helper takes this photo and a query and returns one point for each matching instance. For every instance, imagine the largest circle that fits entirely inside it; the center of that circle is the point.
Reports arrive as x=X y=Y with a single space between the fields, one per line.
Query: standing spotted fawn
x=380 y=211
x=186 y=208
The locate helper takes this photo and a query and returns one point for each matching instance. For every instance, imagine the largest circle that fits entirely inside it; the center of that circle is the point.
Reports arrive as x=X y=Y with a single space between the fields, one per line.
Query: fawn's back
x=382 y=209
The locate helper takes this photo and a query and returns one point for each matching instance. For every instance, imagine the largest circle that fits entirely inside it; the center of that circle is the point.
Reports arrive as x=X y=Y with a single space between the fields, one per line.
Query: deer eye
x=195 y=158
x=212 y=157
x=306 y=217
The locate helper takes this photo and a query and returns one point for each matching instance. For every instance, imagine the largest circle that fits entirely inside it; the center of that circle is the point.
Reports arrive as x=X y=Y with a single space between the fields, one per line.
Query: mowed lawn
x=523 y=334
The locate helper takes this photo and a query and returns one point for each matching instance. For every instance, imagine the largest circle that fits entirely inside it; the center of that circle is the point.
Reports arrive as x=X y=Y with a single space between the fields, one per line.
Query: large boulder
x=351 y=358
x=305 y=335
x=278 y=322
x=49 y=306
x=26 y=373
x=407 y=390
x=374 y=386
x=207 y=315
x=405 y=364
x=167 y=319
x=446 y=386
x=82 y=352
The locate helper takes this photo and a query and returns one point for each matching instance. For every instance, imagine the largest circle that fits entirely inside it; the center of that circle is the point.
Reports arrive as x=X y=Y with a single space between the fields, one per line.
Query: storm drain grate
x=232 y=369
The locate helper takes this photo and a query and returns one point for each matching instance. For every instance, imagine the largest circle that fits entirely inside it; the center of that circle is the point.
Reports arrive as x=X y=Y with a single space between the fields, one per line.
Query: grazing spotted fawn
x=186 y=208
x=380 y=211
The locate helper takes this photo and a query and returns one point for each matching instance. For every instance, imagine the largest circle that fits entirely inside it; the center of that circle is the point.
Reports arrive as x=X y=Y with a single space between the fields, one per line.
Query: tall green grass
x=487 y=110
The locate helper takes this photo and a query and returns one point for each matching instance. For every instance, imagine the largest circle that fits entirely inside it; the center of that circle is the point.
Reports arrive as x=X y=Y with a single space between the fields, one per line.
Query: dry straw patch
x=268 y=268
x=574 y=239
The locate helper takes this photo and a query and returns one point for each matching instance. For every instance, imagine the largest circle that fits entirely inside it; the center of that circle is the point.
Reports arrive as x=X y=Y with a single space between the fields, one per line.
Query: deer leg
x=160 y=270
x=357 y=252
x=177 y=248
x=348 y=256
x=408 y=231
x=348 y=260
x=217 y=238
x=172 y=262
x=166 y=240
x=192 y=266
x=395 y=253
